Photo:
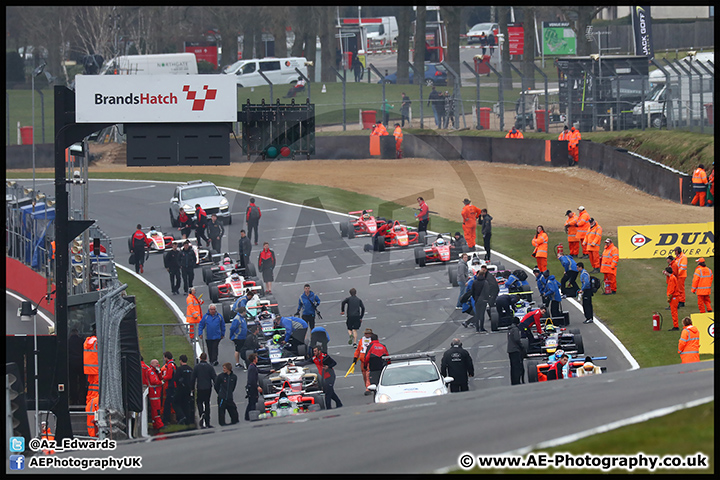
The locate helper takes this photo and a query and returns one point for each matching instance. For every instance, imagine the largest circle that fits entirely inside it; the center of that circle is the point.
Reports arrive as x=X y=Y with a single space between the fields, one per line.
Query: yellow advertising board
x=705 y=323
x=658 y=241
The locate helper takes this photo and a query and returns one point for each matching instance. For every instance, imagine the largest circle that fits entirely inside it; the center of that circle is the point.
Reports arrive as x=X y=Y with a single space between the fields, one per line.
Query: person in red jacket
x=155 y=383
x=252 y=217
x=186 y=224
x=266 y=264
x=168 y=374
x=200 y=225
x=325 y=364
x=145 y=368
x=373 y=360
x=531 y=317
x=138 y=245
x=555 y=370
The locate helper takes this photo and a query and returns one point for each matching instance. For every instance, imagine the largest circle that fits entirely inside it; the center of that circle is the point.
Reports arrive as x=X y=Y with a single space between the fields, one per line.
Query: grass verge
x=151 y=309
x=658 y=436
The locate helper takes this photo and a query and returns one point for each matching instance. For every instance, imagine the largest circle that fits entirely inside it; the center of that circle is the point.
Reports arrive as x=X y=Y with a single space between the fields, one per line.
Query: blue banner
x=642 y=31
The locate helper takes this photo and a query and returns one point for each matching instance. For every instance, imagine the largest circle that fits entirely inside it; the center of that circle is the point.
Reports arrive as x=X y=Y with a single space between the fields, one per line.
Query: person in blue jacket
x=515 y=285
x=214 y=326
x=587 y=293
x=541 y=284
x=295 y=330
x=553 y=289
x=469 y=306
x=242 y=301
x=238 y=333
x=308 y=303
x=571 y=273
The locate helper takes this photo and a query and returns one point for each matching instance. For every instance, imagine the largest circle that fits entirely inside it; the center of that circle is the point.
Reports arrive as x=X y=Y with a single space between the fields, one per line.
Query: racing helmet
x=559 y=353
x=397 y=227
x=440 y=241
x=283 y=400
x=276 y=338
x=235 y=277
x=476 y=260
x=227 y=260
x=550 y=329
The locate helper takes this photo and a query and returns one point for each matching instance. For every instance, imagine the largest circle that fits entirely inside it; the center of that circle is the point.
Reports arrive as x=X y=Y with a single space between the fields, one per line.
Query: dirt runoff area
x=516 y=196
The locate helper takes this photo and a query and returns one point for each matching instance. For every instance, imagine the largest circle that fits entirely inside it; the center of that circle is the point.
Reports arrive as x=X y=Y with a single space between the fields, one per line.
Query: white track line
x=39 y=312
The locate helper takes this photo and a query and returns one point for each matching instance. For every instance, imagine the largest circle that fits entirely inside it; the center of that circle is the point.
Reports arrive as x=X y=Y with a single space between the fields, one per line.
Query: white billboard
x=155 y=98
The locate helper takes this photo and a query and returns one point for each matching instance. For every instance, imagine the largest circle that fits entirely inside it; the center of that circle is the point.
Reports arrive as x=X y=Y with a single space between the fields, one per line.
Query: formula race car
x=155 y=240
x=398 y=236
x=292 y=389
x=538 y=371
x=235 y=285
x=294 y=374
x=221 y=270
x=474 y=263
x=552 y=339
x=442 y=250
x=365 y=224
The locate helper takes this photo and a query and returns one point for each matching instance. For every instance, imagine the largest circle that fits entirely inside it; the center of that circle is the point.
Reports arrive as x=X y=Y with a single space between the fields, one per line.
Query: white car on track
x=410 y=376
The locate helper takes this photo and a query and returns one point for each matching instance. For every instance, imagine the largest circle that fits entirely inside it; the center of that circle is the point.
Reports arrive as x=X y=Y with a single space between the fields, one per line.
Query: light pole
x=35 y=73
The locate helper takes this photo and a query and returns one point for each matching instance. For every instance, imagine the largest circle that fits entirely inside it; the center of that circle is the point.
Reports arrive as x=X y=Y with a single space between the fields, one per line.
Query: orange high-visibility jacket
x=571 y=224
x=702 y=281
x=90 y=356
x=689 y=344
x=193 y=313
x=699 y=176
x=574 y=137
x=564 y=135
x=594 y=237
x=380 y=130
x=672 y=287
x=540 y=242
x=681 y=263
x=470 y=214
x=609 y=260
x=398 y=133
x=517 y=134
x=583 y=224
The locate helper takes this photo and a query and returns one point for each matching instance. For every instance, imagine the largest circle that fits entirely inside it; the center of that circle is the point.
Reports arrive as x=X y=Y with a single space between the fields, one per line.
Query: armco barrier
x=644 y=174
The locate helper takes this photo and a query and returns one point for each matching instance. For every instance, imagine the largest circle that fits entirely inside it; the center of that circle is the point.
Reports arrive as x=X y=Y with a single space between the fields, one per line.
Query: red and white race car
x=155 y=240
x=474 y=264
x=234 y=285
x=202 y=255
x=442 y=250
x=364 y=225
x=398 y=235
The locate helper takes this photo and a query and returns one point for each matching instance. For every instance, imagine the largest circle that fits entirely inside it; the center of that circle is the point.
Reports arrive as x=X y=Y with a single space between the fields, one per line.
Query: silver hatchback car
x=206 y=194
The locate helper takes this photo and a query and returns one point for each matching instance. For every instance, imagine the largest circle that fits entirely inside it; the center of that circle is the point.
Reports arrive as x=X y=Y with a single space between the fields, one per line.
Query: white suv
x=206 y=194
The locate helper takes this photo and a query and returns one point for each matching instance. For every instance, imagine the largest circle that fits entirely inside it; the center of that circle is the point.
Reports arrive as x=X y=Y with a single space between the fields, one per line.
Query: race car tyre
x=214 y=293
x=173 y=222
x=274 y=309
x=574 y=331
x=266 y=385
x=579 y=344
x=351 y=230
x=227 y=312
x=314 y=408
x=420 y=256
x=532 y=372
x=343 y=230
x=250 y=270
x=302 y=350
x=381 y=243
x=526 y=345
x=254 y=415
x=207 y=275
x=452 y=276
x=319 y=400
x=421 y=238
x=494 y=324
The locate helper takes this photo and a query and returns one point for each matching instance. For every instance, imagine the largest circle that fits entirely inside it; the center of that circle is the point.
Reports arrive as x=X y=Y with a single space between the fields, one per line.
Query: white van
x=383 y=33
x=280 y=71
x=165 y=63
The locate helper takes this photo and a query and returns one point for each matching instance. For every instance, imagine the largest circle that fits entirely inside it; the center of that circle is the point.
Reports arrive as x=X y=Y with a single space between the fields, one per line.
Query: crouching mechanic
x=295 y=330
x=381 y=231
x=531 y=317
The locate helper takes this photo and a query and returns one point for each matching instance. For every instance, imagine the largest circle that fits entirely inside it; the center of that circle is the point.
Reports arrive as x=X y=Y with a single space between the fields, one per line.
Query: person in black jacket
x=516 y=352
x=458 y=364
x=244 y=249
x=204 y=375
x=253 y=388
x=172 y=261
x=225 y=386
x=215 y=232
x=493 y=289
x=481 y=293
x=185 y=412
x=355 y=314
x=252 y=343
x=486 y=221
x=188 y=260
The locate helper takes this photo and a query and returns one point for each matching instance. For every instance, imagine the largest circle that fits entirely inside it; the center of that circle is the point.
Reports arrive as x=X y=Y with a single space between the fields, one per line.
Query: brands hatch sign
x=155 y=98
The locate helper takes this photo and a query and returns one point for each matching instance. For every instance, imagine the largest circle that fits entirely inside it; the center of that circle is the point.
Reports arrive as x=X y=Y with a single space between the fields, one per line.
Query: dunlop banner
x=705 y=323
x=658 y=241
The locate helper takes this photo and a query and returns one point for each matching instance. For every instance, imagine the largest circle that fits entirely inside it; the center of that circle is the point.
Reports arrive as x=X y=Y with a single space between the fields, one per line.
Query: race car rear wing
x=359 y=212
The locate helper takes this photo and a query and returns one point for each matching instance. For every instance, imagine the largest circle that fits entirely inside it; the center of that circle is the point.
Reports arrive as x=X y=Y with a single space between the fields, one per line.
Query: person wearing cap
x=360 y=355
x=689 y=343
x=516 y=353
x=587 y=293
x=457 y=363
x=673 y=296
x=681 y=272
x=702 y=285
x=583 y=225
x=540 y=242
x=514 y=133
x=608 y=266
x=571 y=230
x=592 y=243
x=470 y=214
x=588 y=368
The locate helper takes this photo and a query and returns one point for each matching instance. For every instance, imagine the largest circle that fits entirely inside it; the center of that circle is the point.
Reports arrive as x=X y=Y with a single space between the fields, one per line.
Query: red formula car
x=398 y=235
x=364 y=225
x=156 y=241
x=538 y=371
x=442 y=250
